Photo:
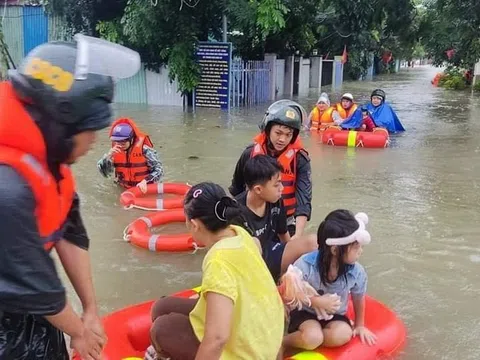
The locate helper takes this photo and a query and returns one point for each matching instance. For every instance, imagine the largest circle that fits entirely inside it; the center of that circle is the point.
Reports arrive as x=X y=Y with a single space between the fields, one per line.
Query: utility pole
x=225 y=25
x=224 y=22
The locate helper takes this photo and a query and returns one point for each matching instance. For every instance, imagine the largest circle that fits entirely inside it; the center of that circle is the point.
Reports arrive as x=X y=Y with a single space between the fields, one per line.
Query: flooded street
x=422 y=197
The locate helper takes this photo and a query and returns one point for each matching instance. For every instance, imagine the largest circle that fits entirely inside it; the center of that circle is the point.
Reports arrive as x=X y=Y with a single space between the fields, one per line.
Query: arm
x=218 y=324
x=358 y=292
x=284 y=238
x=238 y=182
x=154 y=165
x=337 y=119
x=282 y=229
x=359 y=309
x=73 y=253
x=303 y=193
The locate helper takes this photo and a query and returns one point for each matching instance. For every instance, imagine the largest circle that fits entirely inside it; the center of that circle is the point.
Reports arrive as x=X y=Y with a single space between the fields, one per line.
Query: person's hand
x=366 y=336
x=92 y=322
x=114 y=150
x=329 y=303
x=142 y=185
x=86 y=345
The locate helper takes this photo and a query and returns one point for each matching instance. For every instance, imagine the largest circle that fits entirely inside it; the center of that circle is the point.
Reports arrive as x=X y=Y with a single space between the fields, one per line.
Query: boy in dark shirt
x=266 y=215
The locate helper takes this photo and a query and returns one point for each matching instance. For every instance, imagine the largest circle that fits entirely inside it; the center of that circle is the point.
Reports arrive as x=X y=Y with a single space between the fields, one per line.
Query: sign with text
x=215 y=60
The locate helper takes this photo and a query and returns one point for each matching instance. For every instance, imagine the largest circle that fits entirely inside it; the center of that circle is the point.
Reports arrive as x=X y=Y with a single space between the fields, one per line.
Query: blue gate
x=250 y=82
x=35 y=27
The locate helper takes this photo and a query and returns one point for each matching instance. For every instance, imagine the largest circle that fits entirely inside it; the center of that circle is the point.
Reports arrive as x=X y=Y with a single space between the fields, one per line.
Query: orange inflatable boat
x=437 y=79
x=335 y=136
x=133 y=197
x=128 y=332
x=138 y=232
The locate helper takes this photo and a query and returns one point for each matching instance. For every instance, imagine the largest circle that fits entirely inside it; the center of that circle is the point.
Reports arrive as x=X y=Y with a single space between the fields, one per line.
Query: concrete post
x=289 y=66
x=272 y=60
x=304 y=76
x=476 y=73
x=316 y=72
x=337 y=76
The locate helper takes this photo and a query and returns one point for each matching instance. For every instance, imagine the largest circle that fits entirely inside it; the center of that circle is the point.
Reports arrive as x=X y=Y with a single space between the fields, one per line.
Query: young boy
x=367 y=122
x=266 y=215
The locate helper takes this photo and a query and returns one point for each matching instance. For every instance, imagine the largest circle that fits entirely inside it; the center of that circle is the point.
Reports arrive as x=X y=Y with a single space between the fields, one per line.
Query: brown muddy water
x=422 y=196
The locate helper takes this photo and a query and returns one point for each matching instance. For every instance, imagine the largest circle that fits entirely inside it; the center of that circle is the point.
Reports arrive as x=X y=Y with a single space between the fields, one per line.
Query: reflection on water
x=421 y=195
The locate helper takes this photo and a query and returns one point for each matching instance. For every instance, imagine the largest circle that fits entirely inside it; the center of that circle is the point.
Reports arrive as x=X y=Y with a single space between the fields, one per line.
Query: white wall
x=160 y=91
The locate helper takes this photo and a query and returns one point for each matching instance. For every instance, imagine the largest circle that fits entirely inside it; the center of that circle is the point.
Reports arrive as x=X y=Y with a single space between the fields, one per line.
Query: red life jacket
x=23 y=148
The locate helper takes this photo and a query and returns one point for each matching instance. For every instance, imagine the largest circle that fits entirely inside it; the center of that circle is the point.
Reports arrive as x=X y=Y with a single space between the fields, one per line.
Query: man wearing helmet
x=131 y=158
x=279 y=138
x=344 y=109
x=49 y=113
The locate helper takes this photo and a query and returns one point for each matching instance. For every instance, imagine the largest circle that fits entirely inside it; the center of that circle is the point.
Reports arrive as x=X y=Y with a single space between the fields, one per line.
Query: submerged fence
x=250 y=82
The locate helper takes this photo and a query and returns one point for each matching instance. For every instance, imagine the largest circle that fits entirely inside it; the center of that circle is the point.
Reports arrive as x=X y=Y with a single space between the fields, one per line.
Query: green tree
x=166 y=31
x=452 y=25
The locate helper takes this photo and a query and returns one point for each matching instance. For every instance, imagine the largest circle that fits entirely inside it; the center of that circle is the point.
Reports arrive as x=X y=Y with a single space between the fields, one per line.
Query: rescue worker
x=344 y=109
x=132 y=158
x=279 y=138
x=50 y=110
x=321 y=115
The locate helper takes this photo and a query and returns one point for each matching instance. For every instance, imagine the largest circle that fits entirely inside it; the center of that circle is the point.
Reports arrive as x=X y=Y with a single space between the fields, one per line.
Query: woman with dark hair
x=239 y=314
x=333 y=269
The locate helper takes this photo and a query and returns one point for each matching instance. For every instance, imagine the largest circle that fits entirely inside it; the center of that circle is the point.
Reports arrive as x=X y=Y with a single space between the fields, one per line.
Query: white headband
x=360 y=235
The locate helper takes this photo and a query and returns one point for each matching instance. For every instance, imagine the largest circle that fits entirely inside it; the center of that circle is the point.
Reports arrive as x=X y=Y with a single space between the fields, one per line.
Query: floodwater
x=422 y=196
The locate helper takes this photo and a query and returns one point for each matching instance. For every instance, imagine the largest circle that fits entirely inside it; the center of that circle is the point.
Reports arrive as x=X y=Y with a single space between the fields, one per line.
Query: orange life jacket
x=317 y=118
x=131 y=165
x=345 y=113
x=288 y=161
x=23 y=148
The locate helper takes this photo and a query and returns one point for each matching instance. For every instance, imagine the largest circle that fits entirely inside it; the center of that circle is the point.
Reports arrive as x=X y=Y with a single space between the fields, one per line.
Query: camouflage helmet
x=284 y=112
x=379 y=93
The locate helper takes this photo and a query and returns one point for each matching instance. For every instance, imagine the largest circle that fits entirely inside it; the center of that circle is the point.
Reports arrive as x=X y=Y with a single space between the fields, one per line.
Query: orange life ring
x=138 y=232
x=133 y=197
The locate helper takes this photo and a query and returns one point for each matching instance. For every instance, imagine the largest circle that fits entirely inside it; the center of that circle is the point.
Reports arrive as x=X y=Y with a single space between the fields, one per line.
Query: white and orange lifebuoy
x=138 y=232
x=134 y=198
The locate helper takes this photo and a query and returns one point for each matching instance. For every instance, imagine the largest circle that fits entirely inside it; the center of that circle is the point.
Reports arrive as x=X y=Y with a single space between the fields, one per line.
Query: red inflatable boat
x=128 y=334
x=335 y=136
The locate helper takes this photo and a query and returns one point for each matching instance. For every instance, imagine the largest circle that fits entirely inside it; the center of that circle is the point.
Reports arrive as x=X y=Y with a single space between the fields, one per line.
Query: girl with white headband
x=333 y=269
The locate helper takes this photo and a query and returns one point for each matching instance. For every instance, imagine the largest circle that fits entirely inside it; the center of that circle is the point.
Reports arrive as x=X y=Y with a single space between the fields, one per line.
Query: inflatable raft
x=128 y=334
x=334 y=135
x=134 y=198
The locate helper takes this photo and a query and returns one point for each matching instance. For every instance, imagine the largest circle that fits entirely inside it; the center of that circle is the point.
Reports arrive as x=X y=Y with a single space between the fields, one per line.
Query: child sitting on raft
x=266 y=215
x=333 y=269
x=239 y=314
x=367 y=122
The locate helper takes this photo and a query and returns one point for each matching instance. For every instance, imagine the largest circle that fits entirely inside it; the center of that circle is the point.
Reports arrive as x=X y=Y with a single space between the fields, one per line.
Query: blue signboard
x=215 y=60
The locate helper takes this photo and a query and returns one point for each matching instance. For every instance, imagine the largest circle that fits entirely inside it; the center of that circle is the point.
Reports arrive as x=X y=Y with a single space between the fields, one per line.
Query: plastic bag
x=30 y=337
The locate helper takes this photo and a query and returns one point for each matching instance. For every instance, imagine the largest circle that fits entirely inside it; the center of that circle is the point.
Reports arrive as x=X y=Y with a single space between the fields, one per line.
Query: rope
x=154 y=2
x=126 y=236
x=196 y=248
x=132 y=206
x=360 y=144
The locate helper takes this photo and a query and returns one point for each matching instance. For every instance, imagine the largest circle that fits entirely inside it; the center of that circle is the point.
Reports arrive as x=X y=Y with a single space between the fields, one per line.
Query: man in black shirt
x=266 y=215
